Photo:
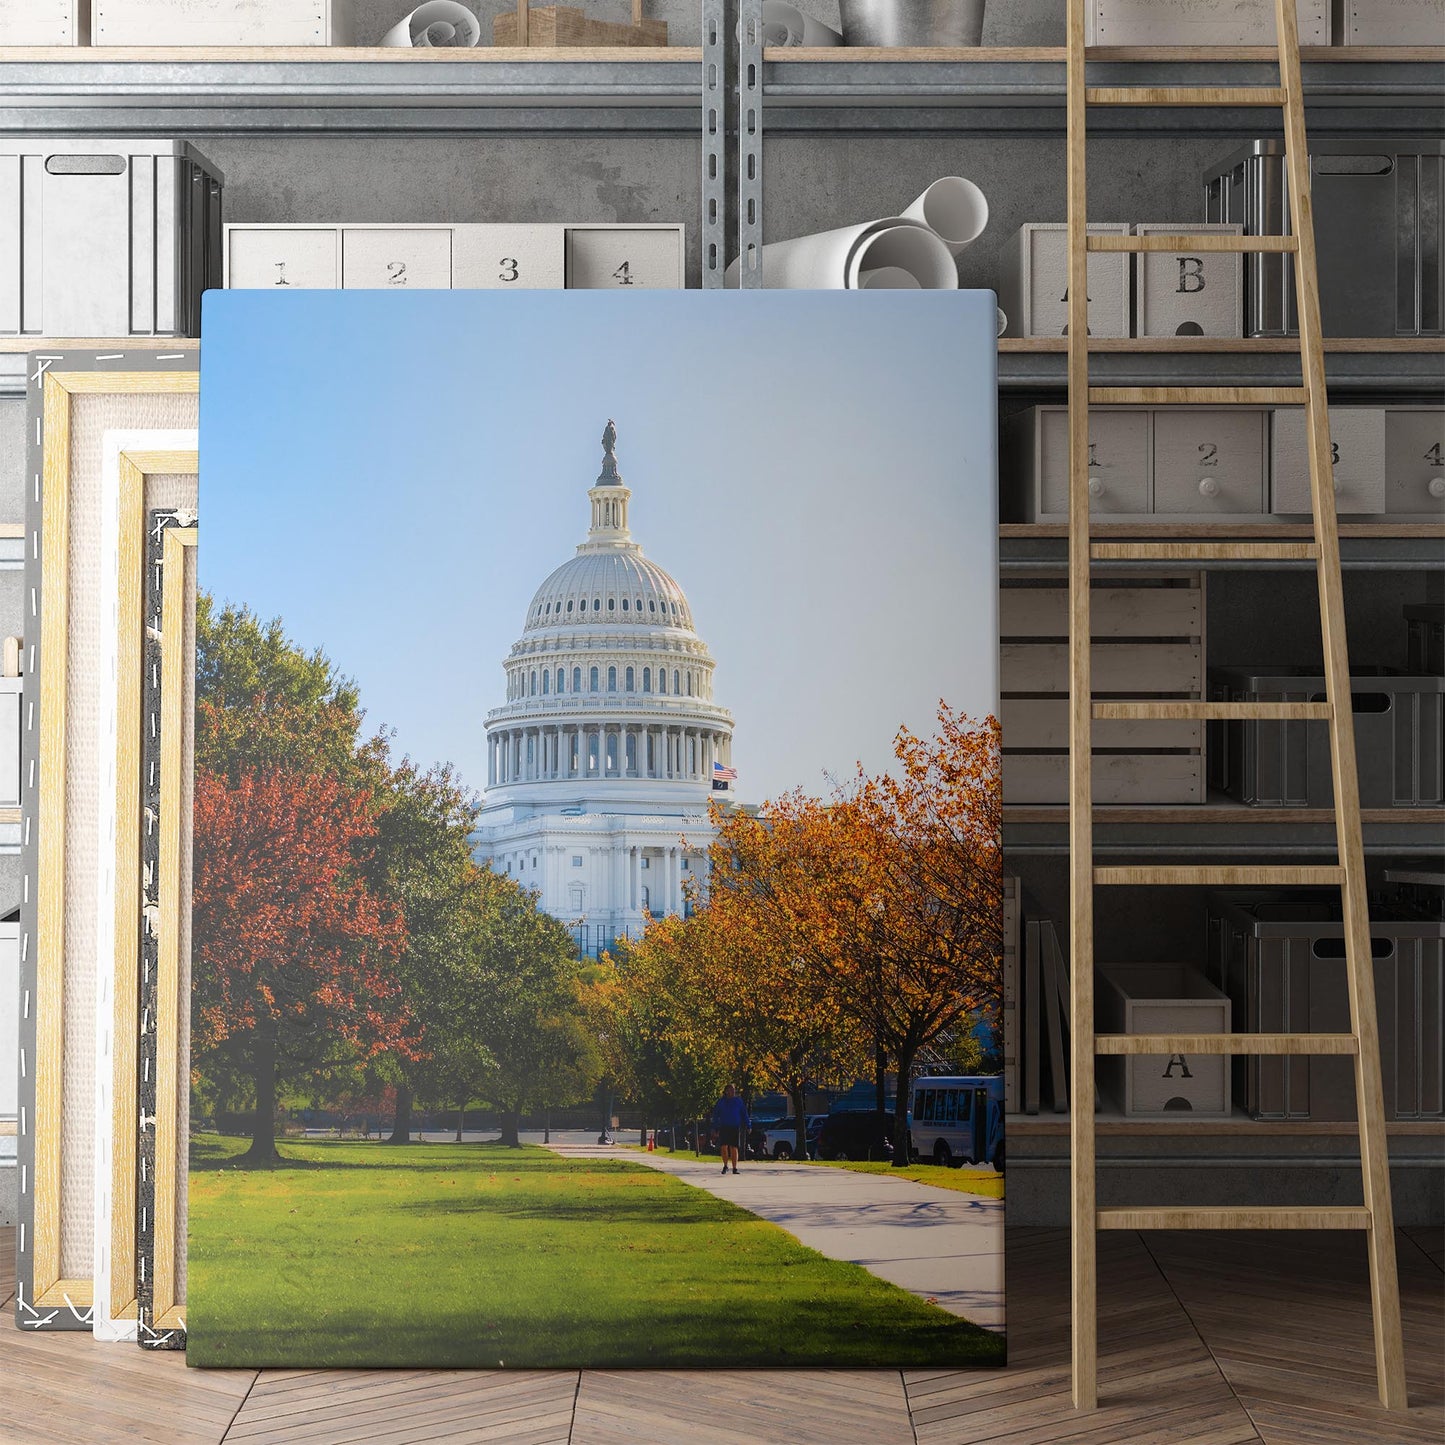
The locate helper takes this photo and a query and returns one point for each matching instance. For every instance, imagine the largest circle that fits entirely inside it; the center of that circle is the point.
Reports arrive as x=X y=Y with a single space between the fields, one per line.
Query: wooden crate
x=552 y=26
x=1120 y=779
x=1136 y=669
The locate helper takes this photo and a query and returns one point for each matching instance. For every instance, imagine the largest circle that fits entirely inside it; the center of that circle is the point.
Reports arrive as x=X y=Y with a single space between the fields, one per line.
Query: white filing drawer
x=599 y=257
x=44 y=22
x=1357 y=444
x=1208 y=462
x=1200 y=22
x=1189 y=293
x=1033 y=287
x=1415 y=459
x=502 y=257
x=381 y=258
x=221 y=22
x=276 y=257
x=1118 y=463
x=1389 y=22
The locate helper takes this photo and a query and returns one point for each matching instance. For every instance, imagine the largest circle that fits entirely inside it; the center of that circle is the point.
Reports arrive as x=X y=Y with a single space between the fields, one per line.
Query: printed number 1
x=281 y=274
x=623 y=274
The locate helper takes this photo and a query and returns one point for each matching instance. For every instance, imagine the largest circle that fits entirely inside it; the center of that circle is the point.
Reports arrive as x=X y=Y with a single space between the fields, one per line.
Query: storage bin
x=1188 y=293
x=1159 y=998
x=1399 y=739
x=1357 y=444
x=1036 y=463
x=1415 y=460
x=1389 y=22
x=106 y=237
x=1208 y=462
x=1280 y=958
x=1033 y=282
x=1425 y=637
x=44 y=22
x=222 y=22
x=1200 y=22
x=1377 y=214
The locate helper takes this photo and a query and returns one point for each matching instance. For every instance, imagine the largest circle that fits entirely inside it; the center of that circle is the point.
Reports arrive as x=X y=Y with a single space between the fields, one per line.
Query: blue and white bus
x=956 y=1119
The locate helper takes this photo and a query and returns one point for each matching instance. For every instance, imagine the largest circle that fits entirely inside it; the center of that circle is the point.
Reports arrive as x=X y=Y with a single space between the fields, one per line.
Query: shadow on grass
x=212 y=1154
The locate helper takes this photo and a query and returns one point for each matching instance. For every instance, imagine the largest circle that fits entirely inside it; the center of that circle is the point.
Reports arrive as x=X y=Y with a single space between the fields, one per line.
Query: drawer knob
x=1436 y=486
x=1208 y=487
x=1096 y=487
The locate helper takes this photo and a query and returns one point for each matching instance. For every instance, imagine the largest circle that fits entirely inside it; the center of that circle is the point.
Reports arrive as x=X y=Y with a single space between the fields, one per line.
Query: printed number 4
x=1435 y=456
x=623 y=274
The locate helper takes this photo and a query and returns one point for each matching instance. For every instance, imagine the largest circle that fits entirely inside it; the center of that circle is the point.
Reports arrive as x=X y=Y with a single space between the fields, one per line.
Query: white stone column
x=634 y=868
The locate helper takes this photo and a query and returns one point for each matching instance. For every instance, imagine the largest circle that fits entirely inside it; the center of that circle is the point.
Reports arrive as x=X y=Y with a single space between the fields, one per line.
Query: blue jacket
x=730 y=1112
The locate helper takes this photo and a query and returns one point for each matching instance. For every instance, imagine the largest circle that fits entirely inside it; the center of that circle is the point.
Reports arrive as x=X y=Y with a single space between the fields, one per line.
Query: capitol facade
x=609 y=747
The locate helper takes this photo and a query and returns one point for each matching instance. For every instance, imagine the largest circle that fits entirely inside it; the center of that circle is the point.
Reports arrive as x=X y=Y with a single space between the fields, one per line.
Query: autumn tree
x=293 y=955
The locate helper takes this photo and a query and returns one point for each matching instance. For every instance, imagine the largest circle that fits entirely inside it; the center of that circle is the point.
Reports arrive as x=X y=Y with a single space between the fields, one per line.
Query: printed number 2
x=396 y=273
x=1208 y=454
x=509 y=271
x=623 y=274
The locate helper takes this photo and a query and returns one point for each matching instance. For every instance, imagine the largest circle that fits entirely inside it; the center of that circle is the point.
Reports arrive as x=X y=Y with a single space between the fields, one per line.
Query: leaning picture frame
x=76 y=400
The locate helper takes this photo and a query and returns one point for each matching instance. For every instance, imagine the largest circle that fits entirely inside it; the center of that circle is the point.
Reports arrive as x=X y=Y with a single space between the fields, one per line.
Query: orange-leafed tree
x=294 y=957
x=890 y=892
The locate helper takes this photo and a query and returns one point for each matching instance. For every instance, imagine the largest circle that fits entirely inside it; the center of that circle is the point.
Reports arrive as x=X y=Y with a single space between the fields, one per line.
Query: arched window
x=652 y=604
x=676 y=681
x=546 y=682
x=597 y=604
x=611 y=679
x=662 y=679
x=569 y=604
x=646 y=899
x=594 y=679
x=631 y=752
x=647 y=679
x=561 y=678
x=689 y=682
x=631 y=678
x=534 y=682
x=611 y=752
x=624 y=604
x=576 y=679
x=611 y=604
x=639 y=604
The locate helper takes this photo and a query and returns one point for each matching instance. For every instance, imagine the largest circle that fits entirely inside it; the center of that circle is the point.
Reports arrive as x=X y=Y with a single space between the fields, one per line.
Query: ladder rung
x=1205 y=551
x=1212 y=710
x=1270 y=1044
x=1185 y=95
x=1223 y=1217
x=1188 y=241
x=1249 y=876
x=1198 y=395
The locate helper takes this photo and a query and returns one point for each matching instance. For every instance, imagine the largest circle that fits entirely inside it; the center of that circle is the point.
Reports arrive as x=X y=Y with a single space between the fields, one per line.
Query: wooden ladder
x=1376 y=1217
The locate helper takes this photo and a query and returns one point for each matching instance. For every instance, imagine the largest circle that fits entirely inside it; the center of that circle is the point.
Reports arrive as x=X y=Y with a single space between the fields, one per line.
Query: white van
x=958 y=1118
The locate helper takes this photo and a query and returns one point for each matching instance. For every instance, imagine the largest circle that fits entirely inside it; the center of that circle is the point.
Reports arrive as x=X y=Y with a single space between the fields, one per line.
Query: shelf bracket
x=714 y=143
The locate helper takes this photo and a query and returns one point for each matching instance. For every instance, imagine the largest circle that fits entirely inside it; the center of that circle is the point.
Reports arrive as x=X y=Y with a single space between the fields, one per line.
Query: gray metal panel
x=750 y=144
x=715 y=83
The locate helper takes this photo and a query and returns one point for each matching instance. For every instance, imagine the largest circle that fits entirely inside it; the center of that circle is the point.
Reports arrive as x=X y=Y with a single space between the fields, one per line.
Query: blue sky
x=395 y=474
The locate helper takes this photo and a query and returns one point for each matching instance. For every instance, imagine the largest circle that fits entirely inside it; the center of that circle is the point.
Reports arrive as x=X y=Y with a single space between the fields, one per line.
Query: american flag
x=721 y=774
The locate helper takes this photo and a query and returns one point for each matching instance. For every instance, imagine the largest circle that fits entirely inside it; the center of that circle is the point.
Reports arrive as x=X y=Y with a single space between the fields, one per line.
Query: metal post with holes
x=715 y=89
x=750 y=143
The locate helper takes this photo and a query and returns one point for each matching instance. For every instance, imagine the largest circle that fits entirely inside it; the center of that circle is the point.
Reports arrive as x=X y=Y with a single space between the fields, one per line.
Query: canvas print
x=595 y=877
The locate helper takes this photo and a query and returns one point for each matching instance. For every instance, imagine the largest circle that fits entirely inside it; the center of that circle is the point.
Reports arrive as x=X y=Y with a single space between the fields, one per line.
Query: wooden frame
x=50 y=1292
x=171 y=588
x=130 y=459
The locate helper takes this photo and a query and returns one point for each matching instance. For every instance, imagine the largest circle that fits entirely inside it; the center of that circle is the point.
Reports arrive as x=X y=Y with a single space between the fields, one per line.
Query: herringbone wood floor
x=1205 y=1340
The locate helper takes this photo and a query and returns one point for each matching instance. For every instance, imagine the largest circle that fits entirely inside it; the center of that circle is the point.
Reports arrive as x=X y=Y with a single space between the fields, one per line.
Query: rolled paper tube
x=786 y=25
x=1002 y=321
x=888 y=278
x=955 y=209
x=835 y=260
x=437 y=25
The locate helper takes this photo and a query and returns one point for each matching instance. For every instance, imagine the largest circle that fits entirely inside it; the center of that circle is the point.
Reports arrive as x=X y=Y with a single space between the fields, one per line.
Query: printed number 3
x=509 y=270
x=623 y=274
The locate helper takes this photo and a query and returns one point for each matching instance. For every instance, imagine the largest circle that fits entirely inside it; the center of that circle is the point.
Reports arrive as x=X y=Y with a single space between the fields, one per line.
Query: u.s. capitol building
x=602 y=762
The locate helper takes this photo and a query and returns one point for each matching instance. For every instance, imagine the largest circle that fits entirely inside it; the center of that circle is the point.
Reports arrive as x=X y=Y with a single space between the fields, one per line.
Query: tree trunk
x=401 y=1124
x=797 y=1095
x=547 y=1127
x=262 y=1153
x=901 y=1151
x=880 y=1078
x=511 y=1123
x=461 y=1120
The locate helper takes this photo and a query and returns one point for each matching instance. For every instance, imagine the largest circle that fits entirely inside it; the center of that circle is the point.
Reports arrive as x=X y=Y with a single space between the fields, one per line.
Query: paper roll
x=955 y=209
x=437 y=25
x=785 y=24
x=888 y=278
x=1002 y=321
x=836 y=260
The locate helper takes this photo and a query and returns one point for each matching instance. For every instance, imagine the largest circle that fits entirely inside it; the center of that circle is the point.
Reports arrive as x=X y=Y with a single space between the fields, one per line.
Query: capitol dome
x=609 y=687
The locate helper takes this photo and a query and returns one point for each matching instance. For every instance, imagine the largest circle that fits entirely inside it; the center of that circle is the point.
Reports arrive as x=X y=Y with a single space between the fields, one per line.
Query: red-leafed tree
x=294 y=955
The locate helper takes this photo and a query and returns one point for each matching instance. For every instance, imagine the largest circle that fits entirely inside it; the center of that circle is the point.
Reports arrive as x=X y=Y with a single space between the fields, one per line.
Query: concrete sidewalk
x=936 y=1243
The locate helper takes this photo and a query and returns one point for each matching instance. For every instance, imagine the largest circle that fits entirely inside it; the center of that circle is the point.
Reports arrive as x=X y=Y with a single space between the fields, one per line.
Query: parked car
x=856 y=1134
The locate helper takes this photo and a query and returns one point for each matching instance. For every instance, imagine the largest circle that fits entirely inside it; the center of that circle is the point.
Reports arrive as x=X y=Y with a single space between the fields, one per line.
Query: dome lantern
x=609 y=496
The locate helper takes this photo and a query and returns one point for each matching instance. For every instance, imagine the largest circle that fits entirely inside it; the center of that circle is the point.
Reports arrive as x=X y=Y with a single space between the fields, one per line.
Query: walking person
x=730 y=1119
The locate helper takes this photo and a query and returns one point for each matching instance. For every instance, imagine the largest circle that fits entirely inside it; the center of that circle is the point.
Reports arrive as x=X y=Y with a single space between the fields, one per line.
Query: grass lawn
x=477 y=1255
x=983 y=1182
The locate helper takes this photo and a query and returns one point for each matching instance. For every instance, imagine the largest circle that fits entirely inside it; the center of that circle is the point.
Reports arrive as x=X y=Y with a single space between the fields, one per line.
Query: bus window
x=946 y=1098
x=925 y=1100
x=965 y=1106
